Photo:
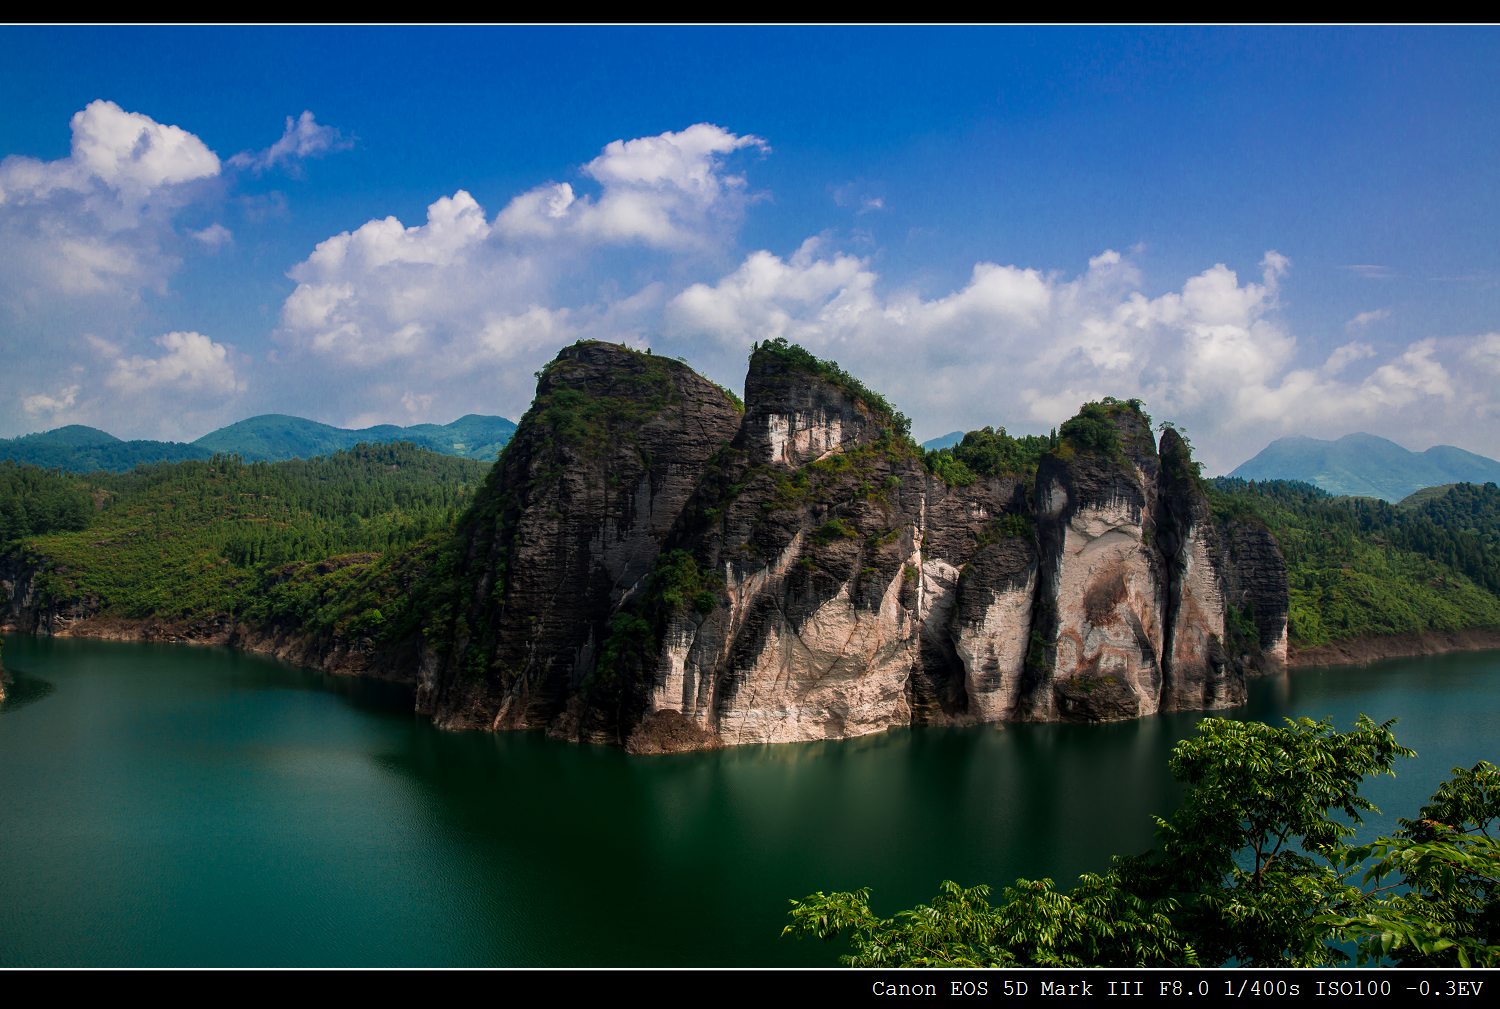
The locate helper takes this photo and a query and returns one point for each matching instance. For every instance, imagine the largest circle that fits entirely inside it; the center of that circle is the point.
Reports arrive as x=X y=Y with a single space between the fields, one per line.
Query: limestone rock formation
x=650 y=566
x=805 y=546
x=571 y=519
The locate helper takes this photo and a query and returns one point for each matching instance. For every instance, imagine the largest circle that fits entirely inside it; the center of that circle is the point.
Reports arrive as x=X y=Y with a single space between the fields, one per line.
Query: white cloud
x=1413 y=375
x=386 y=291
x=193 y=365
x=665 y=191
x=134 y=153
x=1364 y=319
x=461 y=292
x=1346 y=355
x=51 y=404
x=185 y=385
x=454 y=313
x=1023 y=348
x=416 y=405
x=1370 y=271
x=213 y=236
x=857 y=195
x=1485 y=353
x=304 y=137
x=98 y=222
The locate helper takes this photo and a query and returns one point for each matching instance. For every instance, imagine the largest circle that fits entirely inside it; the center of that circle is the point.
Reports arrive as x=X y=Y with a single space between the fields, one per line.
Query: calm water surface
x=169 y=805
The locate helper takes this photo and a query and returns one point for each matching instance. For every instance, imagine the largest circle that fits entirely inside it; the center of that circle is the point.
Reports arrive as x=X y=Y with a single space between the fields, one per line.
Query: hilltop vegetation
x=796 y=358
x=989 y=452
x=80 y=449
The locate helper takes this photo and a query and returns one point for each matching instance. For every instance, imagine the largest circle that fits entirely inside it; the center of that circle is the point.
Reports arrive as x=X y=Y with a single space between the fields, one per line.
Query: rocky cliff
x=572 y=518
x=650 y=566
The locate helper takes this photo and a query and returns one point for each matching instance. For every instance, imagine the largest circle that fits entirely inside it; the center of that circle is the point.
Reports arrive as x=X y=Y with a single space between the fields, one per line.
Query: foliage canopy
x=1254 y=867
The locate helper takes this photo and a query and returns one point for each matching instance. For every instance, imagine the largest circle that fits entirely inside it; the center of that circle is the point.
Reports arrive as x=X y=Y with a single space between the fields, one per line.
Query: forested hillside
x=267 y=438
x=1362 y=567
x=187 y=541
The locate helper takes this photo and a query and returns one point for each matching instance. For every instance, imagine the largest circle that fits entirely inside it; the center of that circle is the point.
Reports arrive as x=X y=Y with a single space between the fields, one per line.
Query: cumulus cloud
x=213 y=236
x=461 y=291
x=453 y=313
x=303 y=138
x=1346 y=355
x=663 y=191
x=1024 y=348
x=185 y=385
x=386 y=291
x=135 y=154
x=43 y=403
x=97 y=222
x=193 y=365
x=1484 y=353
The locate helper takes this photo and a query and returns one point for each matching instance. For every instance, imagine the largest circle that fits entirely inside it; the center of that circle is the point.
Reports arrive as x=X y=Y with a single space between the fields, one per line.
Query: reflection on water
x=22 y=689
x=175 y=805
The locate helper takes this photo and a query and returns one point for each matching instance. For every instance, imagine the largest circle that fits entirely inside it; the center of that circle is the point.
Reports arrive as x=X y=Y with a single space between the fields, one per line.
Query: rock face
x=1102 y=592
x=22 y=607
x=1139 y=588
x=651 y=567
x=572 y=518
x=991 y=626
x=1257 y=594
x=1196 y=669
x=805 y=543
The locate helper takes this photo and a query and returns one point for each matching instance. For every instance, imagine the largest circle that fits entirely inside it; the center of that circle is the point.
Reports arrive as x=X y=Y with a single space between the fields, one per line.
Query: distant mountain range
x=269 y=438
x=943 y=441
x=1366 y=465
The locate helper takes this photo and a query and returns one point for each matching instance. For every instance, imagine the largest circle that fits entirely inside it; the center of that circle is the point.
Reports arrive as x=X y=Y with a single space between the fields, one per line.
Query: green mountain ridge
x=266 y=438
x=1366 y=465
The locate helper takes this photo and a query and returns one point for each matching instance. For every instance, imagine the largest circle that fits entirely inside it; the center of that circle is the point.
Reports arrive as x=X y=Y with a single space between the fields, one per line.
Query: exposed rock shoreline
x=356 y=661
x=338 y=657
x=1363 y=651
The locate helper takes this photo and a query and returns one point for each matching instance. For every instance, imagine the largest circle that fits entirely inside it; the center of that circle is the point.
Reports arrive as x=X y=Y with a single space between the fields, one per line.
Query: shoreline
x=334 y=657
x=1365 y=650
x=354 y=658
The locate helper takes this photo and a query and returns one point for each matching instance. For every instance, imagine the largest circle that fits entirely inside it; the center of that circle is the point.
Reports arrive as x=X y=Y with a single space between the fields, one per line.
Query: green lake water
x=170 y=805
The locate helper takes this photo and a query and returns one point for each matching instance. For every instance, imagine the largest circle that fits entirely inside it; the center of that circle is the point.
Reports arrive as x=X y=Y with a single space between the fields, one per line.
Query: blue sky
x=1258 y=231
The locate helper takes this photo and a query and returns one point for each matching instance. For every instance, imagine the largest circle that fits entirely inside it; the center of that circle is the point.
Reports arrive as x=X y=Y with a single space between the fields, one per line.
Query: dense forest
x=1361 y=567
x=258 y=541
